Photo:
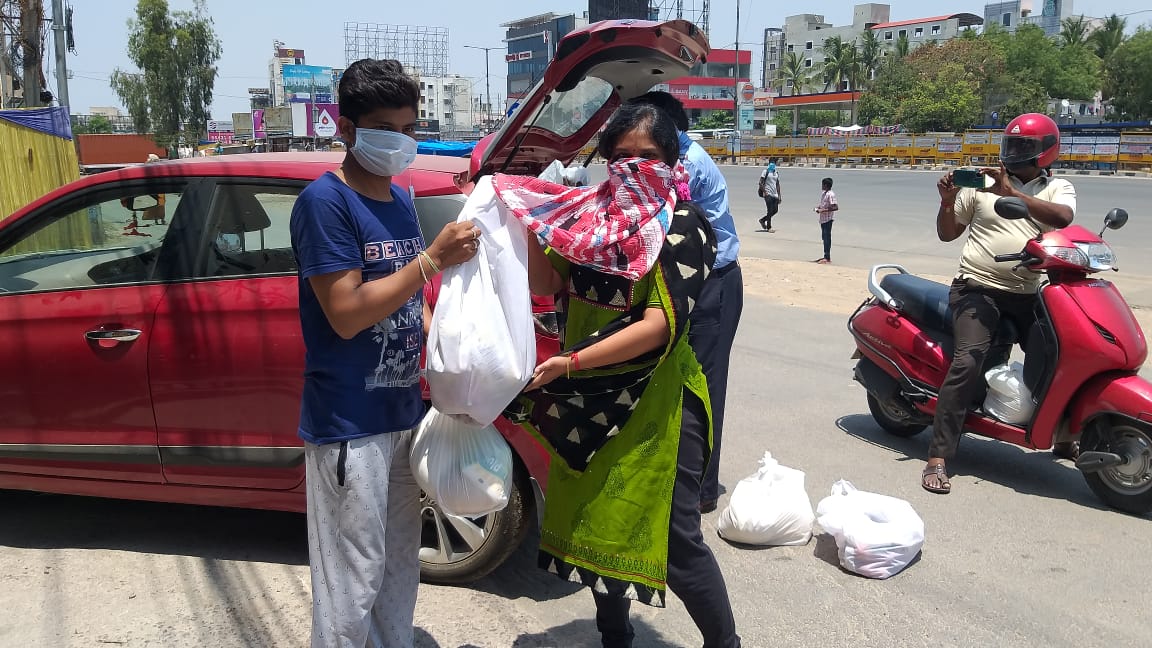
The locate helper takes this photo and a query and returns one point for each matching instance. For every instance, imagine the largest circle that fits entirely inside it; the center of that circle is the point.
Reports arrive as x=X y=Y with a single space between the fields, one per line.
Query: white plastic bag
x=481 y=342
x=573 y=176
x=878 y=536
x=466 y=468
x=770 y=507
x=1008 y=397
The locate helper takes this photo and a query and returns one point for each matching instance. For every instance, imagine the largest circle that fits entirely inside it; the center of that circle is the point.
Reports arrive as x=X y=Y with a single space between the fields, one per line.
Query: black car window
x=248 y=231
x=110 y=236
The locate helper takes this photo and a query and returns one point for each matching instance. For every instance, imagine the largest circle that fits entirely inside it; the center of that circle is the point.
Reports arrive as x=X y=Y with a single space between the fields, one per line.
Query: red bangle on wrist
x=576 y=360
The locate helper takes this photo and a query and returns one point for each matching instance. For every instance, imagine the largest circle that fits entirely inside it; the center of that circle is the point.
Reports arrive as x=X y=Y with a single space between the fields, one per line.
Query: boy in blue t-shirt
x=362 y=264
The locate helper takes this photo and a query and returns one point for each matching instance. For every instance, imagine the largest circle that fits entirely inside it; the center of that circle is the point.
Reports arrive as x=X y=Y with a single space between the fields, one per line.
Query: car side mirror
x=1011 y=208
x=1116 y=218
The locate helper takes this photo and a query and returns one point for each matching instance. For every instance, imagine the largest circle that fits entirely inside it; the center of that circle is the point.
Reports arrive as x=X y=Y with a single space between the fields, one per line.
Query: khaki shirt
x=989 y=234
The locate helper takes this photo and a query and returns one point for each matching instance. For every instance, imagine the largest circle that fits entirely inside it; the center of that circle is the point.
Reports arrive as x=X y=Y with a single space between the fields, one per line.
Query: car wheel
x=456 y=550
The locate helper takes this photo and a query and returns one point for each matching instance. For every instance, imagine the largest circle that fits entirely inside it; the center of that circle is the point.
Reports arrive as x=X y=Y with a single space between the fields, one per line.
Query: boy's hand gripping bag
x=481 y=342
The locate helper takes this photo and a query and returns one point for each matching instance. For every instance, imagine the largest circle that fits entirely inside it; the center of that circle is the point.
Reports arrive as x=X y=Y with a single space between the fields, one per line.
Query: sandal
x=934 y=479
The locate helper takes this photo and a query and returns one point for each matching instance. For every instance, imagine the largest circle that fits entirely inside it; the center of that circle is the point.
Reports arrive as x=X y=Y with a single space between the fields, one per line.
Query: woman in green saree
x=624 y=408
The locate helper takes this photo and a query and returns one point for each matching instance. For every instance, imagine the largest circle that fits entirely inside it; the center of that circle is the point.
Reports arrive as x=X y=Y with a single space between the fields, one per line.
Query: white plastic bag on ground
x=481 y=342
x=466 y=468
x=770 y=507
x=878 y=536
x=1008 y=397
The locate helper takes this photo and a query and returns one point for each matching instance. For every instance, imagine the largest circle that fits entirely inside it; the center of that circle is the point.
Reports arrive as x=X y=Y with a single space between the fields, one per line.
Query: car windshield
x=568 y=112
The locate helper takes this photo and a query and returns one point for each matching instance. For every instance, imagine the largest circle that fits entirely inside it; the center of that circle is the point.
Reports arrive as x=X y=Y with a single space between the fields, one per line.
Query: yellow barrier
x=32 y=164
x=972 y=147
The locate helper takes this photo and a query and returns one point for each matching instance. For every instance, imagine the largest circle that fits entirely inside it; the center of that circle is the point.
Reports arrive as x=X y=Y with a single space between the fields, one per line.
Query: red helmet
x=1029 y=137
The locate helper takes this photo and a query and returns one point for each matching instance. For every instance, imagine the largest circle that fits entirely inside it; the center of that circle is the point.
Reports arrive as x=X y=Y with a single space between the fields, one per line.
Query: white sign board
x=325 y=125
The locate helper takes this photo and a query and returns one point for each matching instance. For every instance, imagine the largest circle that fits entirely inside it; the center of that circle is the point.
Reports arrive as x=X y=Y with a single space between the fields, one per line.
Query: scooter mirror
x=1116 y=218
x=1011 y=208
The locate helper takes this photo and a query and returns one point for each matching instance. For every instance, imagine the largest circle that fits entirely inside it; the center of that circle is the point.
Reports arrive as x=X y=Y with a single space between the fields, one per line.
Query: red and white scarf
x=617 y=227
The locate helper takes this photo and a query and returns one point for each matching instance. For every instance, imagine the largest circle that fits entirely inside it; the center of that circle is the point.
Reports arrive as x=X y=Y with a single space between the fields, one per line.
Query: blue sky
x=248 y=27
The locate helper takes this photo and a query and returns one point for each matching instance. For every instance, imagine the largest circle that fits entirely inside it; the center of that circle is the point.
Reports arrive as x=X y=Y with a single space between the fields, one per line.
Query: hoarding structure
x=421 y=50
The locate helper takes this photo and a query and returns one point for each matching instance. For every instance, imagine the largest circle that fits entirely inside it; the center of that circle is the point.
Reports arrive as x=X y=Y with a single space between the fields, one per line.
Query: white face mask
x=383 y=153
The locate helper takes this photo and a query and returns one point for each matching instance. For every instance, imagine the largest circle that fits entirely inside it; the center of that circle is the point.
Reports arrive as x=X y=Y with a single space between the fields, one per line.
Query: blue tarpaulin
x=454 y=149
x=53 y=121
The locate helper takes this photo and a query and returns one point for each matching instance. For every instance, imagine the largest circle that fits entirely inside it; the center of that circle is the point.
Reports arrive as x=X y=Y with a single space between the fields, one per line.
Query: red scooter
x=1080 y=368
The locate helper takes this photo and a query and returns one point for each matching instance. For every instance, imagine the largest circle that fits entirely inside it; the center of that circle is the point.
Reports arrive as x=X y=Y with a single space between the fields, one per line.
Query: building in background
x=804 y=34
x=773 y=56
x=281 y=56
x=924 y=30
x=531 y=45
x=1010 y=15
x=713 y=86
x=448 y=100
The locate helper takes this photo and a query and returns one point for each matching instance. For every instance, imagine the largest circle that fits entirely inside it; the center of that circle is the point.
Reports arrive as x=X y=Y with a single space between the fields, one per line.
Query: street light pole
x=736 y=89
x=487 y=85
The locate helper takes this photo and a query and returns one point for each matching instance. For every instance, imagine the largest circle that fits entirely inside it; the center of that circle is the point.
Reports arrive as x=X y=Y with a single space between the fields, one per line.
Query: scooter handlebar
x=1018 y=256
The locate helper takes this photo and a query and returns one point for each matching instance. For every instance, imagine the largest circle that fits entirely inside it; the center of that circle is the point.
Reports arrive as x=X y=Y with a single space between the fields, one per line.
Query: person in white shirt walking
x=770 y=192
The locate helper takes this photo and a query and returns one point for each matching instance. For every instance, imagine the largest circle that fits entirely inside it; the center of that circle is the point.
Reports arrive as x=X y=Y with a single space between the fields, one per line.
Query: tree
x=903 y=46
x=1077 y=76
x=717 y=119
x=944 y=101
x=1071 y=72
x=840 y=62
x=176 y=55
x=1109 y=36
x=1074 y=31
x=95 y=124
x=871 y=54
x=1127 y=78
x=793 y=74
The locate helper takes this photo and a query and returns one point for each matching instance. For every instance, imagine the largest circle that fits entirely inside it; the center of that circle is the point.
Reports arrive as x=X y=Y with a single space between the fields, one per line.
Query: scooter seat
x=923 y=301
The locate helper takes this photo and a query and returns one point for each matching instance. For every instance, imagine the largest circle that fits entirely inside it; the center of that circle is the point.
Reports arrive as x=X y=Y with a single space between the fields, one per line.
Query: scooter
x=1080 y=369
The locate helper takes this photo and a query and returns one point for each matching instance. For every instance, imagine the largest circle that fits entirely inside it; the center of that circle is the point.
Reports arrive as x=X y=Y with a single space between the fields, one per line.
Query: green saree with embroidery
x=613 y=433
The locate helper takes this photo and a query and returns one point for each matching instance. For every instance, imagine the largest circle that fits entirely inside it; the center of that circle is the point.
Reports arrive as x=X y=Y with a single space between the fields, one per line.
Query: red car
x=152 y=345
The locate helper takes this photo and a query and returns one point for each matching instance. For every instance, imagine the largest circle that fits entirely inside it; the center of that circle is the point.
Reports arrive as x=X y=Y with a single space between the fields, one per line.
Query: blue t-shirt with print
x=371 y=383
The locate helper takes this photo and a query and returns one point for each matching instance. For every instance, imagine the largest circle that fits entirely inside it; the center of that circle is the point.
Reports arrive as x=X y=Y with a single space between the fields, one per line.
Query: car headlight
x=1100 y=256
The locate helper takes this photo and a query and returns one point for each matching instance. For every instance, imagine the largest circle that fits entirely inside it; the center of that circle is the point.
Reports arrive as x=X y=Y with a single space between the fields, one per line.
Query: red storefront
x=711 y=86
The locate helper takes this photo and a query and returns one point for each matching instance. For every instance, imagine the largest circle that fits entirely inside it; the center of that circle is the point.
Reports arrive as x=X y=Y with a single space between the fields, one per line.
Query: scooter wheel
x=1127 y=487
x=894 y=418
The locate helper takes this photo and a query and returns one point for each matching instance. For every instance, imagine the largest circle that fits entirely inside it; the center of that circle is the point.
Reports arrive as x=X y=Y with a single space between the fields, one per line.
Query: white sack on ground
x=877 y=536
x=770 y=507
x=481 y=342
x=466 y=468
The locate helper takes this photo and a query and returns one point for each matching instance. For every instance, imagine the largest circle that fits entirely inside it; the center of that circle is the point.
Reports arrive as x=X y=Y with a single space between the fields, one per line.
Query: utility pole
x=487 y=85
x=31 y=16
x=59 y=38
x=736 y=90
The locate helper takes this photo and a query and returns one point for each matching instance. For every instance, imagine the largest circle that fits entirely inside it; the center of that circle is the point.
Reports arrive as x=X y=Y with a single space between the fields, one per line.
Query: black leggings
x=693 y=573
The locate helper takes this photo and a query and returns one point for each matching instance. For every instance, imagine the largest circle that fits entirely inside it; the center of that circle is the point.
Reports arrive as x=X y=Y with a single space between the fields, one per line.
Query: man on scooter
x=984 y=290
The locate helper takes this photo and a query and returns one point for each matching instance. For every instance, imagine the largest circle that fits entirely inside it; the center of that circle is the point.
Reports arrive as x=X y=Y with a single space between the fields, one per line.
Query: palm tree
x=870 y=54
x=793 y=73
x=834 y=62
x=1109 y=36
x=1074 y=31
x=903 y=46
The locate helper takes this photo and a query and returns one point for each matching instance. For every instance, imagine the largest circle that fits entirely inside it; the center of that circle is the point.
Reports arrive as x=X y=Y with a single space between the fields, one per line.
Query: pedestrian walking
x=826 y=209
x=362 y=263
x=770 y=191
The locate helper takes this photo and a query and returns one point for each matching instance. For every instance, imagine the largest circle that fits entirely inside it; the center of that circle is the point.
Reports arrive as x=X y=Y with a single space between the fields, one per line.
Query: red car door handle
x=114 y=335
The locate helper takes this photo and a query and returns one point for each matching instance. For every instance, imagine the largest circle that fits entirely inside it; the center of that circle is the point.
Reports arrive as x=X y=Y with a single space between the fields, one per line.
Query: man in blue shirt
x=362 y=263
x=716 y=316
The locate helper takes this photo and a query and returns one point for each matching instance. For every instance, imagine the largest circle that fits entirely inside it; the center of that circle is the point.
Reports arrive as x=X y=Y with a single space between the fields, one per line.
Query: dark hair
x=371 y=84
x=827 y=182
x=655 y=122
x=668 y=104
